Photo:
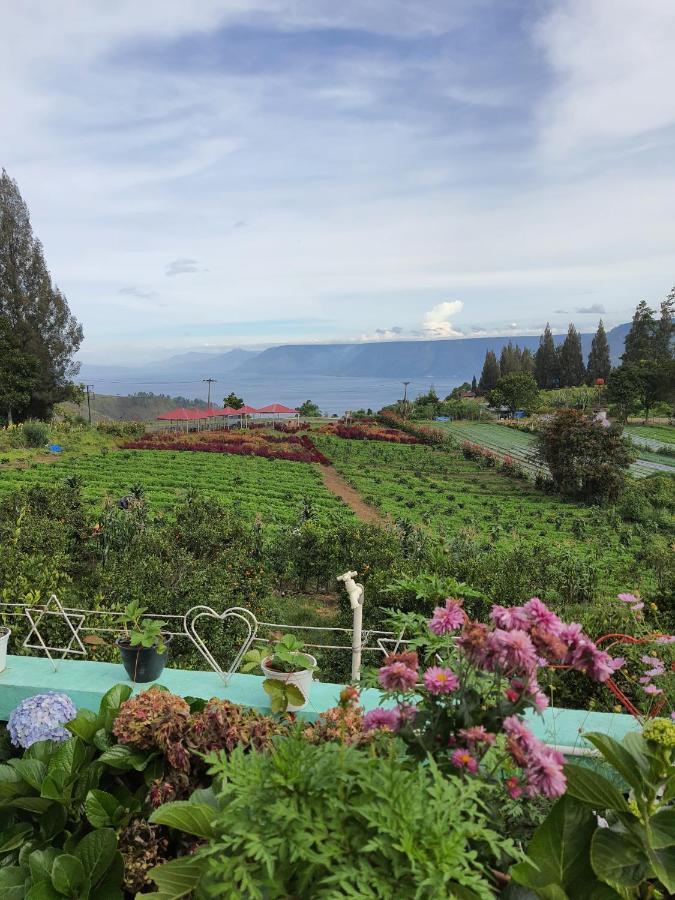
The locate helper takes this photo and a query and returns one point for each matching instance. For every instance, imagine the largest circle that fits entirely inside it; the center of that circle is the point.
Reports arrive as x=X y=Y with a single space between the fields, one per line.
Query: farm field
x=274 y=489
x=654 y=436
x=449 y=494
x=520 y=445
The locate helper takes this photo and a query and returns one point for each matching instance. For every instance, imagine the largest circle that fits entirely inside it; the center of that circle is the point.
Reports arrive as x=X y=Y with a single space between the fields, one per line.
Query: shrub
x=331 y=821
x=35 y=433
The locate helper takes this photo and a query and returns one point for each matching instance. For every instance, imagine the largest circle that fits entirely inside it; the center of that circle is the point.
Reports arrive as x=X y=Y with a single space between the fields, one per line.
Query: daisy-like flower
x=396 y=676
x=462 y=759
x=513 y=787
x=477 y=734
x=509 y=617
x=439 y=680
x=447 y=618
x=652 y=689
x=386 y=719
x=628 y=598
x=665 y=639
x=542 y=617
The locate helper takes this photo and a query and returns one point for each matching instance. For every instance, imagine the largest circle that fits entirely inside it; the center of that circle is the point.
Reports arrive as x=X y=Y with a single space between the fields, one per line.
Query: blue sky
x=244 y=172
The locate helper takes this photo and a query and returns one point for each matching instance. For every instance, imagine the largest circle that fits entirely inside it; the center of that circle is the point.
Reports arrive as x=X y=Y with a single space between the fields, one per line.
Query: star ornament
x=35 y=640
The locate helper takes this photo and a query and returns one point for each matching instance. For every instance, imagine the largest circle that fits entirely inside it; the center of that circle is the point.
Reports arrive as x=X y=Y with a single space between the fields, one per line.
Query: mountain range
x=454 y=359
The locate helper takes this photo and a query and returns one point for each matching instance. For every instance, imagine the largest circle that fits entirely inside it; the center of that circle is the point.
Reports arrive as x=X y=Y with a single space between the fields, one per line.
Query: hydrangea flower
x=41 y=718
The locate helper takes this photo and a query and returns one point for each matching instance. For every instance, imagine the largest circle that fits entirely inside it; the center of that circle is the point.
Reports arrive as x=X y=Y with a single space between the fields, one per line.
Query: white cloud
x=614 y=66
x=436 y=322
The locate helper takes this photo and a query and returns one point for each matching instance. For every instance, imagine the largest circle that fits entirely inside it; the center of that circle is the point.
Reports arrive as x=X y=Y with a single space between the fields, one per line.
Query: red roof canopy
x=247 y=410
x=181 y=414
x=278 y=408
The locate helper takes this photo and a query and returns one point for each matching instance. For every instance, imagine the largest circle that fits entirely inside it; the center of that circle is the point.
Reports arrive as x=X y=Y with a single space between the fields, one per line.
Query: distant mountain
x=191 y=366
x=457 y=358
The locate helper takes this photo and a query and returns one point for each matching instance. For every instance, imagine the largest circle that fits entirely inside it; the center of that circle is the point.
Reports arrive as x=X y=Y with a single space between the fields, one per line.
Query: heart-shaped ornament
x=193 y=616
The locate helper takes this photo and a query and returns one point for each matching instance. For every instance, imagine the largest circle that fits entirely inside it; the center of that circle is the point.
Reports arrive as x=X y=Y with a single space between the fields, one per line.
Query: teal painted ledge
x=86 y=682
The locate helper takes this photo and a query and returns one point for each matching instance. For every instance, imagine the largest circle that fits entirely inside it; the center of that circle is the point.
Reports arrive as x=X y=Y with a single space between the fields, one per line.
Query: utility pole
x=405 y=396
x=209 y=381
x=88 y=400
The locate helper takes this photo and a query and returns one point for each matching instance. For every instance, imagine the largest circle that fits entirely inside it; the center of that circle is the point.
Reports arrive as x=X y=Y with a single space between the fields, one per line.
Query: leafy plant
x=285 y=656
x=597 y=843
x=329 y=821
x=142 y=632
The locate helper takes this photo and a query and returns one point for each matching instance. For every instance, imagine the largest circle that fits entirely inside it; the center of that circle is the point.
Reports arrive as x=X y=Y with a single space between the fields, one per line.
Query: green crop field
x=442 y=490
x=273 y=489
x=659 y=434
x=503 y=440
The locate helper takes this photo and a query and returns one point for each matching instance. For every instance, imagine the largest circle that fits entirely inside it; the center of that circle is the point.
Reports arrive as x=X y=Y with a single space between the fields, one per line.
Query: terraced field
x=274 y=489
x=653 y=436
x=520 y=445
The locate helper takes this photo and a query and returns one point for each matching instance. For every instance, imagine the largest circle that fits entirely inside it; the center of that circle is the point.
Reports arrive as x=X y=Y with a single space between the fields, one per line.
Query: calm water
x=332 y=393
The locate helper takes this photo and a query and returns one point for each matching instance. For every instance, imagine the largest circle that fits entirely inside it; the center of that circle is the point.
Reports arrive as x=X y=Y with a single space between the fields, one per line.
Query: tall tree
x=18 y=376
x=474 y=384
x=599 y=362
x=664 y=329
x=509 y=360
x=572 y=370
x=34 y=311
x=515 y=391
x=490 y=374
x=546 y=361
x=527 y=362
x=639 y=343
x=233 y=401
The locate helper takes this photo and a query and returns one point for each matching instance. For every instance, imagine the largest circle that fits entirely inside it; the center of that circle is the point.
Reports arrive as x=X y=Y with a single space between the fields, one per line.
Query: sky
x=250 y=172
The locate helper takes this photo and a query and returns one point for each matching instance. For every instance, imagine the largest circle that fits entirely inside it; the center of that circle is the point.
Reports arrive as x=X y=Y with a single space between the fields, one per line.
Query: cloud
x=594 y=308
x=133 y=291
x=395 y=333
x=181 y=266
x=561 y=312
x=436 y=322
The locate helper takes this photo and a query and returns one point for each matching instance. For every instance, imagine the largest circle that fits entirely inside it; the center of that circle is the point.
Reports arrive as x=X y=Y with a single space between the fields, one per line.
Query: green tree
x=515 y=391
x=34 y=311
x=639 y=343
x=572 y=371
x=546 y=361
x=309 y=409
x=586 y=460
x=527 y=361
x=474 y=385
x=490 y=374
x=18 y=377
x=664 y=329
x=599 y=363
x=624 y=390
x=233 y=401
x=460 y=389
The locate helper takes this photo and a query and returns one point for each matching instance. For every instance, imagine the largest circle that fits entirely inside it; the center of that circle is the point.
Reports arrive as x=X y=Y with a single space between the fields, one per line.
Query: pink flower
x=477 y=734
x=537 y=696
x=462 y=759
x=650 y=660
x=513 y=787
x=511 y=651
x=510 y=617
x=652 y=689
x=396 y=676
x=438 y=680
x=545 y=773
x=542 y=617
x=627 y=598
x=386 y=719
x=637 y=606
x=447 y=618
x=665 y=639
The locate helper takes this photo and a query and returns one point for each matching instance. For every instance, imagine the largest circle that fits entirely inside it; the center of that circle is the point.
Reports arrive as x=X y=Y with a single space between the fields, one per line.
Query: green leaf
x=12 y=881
x=68 y=876
x=31 y=770
x=96 y=851
x=40 y=863
x=558 y=853
x=273 y=686
x=294 y=695
x=14 y=836
x=67 y=759
x=53 y=821
x=102 y=809
x=122 y=757
x=102 y=739
x=618 y=859
x=663 y=863
x=11 y=783
x=205 y=796
x=43 y=890
x=32 y=804
x=178 y=877
x=662 y=828
x=110 y=887
x=41 y=750
x=591 y=787
x=192 y=818
x=84 y=725
x=110 y=704
x=617 y=756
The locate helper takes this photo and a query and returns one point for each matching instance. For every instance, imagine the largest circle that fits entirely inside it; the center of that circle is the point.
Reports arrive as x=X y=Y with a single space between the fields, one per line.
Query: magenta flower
x=651 y=660
x=627 y=598
x=438 y=680
x=510 y=617
x=447 y=618
x=545 y=773
x=462 y=759
x=386 y=719
x=665 y=639
x=396 y=676
x=542 y=617
x=512 y=651
x=477 y=734
x=652 y=689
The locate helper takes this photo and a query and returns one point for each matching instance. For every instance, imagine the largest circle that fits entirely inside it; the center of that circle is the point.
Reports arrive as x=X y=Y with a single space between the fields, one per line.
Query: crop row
x=240 y=443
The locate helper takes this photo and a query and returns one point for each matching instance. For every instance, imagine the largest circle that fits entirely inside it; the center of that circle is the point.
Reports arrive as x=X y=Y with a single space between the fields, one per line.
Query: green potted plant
x=143 y=645
x=288 y=672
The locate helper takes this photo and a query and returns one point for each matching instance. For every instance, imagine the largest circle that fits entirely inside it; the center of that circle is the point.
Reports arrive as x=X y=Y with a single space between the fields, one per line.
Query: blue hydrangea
x=41 y=718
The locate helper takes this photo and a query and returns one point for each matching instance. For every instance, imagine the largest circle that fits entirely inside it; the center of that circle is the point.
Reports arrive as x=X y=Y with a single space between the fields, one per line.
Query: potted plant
x=288 y=672
x=5 y=633
x=143 y=645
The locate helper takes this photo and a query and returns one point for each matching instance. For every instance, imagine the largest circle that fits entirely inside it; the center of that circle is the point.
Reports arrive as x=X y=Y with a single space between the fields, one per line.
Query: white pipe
x=355 y=593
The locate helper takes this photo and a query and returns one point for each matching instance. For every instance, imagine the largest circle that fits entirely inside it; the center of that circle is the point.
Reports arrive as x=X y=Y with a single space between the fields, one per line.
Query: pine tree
x=34 y=312
x=664 y=330
x=599 y=362
x=474 y=384
x=639 y=343
x=572 y=371
x=527 y=362
x=509 y=360
x=546 y=361
x=490 y=374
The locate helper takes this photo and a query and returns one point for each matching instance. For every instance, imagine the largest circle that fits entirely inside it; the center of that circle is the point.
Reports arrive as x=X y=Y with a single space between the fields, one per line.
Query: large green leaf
x=43 y=890
x=294 y=695
x=53 y=821
x=663 y=863
x=69 y=877
x=11 y=783
x=662 y=828
x=84 y=725
x=102 y=809
x=193 y=818
x=121 y=757
x=32 y=804
x=66 y=761
x=110 y=886
x=558 y=853
x=31 y=770
x=12 y=880
x=96 y=851
x=14 y=836
x=618 y=757
x=618 y=859
x=41 y=862
x=178 y=877
x=110 y=704
x=593 y=788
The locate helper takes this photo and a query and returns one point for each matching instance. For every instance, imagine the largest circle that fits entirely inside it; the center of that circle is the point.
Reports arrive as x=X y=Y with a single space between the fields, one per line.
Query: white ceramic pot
x=5 y=635
x=301 y=680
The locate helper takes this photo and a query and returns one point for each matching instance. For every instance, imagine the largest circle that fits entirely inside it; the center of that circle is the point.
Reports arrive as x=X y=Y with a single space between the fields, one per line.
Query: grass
x=664 y=434
x=443 y=491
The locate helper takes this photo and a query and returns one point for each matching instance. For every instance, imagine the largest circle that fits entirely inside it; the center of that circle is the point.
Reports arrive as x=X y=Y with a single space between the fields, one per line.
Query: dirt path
x=338 y=486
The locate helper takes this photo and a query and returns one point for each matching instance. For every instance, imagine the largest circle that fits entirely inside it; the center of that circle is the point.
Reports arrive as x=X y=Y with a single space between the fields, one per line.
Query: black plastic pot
x=143 y=664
